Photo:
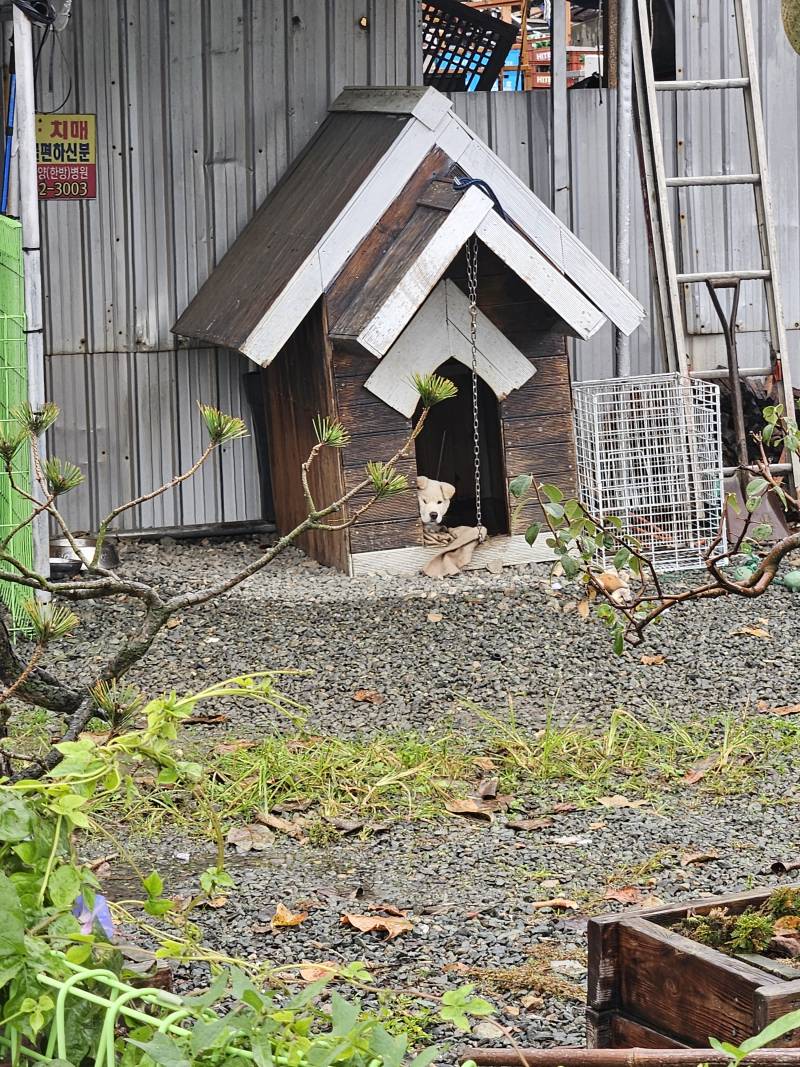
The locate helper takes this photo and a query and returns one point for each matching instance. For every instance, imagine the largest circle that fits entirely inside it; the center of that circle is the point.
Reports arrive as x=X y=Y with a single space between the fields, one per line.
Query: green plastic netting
x=13 y=391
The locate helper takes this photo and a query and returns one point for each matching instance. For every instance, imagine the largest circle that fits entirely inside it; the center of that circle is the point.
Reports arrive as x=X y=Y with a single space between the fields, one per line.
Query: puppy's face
x=434 y=499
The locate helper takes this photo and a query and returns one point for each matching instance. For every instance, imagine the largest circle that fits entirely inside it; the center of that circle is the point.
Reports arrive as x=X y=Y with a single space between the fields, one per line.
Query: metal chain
x=472 y=286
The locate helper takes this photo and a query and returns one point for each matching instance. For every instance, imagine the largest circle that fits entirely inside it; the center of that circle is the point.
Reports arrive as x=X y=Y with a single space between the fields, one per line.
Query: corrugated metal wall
x=201 y=104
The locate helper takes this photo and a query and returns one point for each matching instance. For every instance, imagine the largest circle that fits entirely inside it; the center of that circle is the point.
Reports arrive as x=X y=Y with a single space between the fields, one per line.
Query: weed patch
x=318 y=780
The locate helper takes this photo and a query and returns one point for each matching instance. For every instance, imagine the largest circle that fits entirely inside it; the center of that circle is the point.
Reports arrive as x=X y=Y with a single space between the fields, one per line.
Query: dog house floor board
x=510 y=551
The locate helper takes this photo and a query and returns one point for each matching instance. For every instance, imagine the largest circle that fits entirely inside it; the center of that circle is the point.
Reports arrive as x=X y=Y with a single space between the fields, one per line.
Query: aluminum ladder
x=669 y=278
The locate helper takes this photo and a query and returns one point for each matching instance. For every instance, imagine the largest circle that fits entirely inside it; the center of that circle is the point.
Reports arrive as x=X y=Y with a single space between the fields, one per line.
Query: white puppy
x=434 y=499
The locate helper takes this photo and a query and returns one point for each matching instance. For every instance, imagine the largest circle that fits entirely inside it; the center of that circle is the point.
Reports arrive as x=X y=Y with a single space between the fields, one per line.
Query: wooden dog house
x=352 y=276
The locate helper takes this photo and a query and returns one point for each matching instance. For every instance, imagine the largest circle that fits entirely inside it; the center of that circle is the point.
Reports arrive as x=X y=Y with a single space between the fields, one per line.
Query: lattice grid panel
x=462 y=49
x=649 y=451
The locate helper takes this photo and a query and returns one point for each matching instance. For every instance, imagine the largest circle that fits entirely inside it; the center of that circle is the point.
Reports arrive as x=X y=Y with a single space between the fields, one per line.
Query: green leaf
x=344 y=1015
x=571 y=567
x=12 y=927
x=153 y=884
x=552 y=492
x=163 y=1051
x=64 y=886
x=619 y=642
x=756 y=486
x=158 y=907
x=205 y=1035
x=555 y=511
x=426 y=1057
x=390 y=1050
x=16 y=818
x=622 y=558
x=732 y=500
x=771 y=1033
x=520 y=485
x=533 y=532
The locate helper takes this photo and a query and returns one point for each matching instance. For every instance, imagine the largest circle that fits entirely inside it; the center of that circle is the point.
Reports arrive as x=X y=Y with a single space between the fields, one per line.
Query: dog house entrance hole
x=444 y=451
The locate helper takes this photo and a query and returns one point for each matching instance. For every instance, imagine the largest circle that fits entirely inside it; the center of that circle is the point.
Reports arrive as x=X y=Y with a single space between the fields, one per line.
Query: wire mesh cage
x=649 y=451
x=14 y=508
x=463 y=48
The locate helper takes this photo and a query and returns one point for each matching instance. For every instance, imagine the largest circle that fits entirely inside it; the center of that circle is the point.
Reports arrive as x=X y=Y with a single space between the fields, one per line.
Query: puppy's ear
x=448 y=490
x=422 y=482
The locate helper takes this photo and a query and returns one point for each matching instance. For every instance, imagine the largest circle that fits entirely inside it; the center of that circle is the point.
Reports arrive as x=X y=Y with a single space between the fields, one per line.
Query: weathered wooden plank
x=380 y=446
x=602 y=993
x=360 y=411
x=434 y=259
x=347 y=287
x=668 y=914
x=439 y=327
x=425 y=104
x=541 y=226
x=400 y=506
x=773 y=1001
x=549 y=391
x=298 y=386
x=348 y=363
x=683 y=988
x=380 y=536
x=510 y=551
x=539 y=431
x=553 y=287
x=614 y=1030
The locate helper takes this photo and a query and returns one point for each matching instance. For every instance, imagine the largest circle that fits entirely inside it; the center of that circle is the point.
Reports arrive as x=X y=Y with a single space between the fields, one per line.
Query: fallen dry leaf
x=487 y=790
x=700 y=770
x=530 y=824
x=597 y=825
x=484 y=763
x=629 y=894
x=283 y=917
x=753 y=631
x=784 y=709
x=532 y=1000
x=653 y=661
x=214 y=902
x=563 y=808
x=388 y=909
x=435 y=616
x=370 y=696
x=619 y=801
x=584 y=609
x=495 y=566
x=228 y=748
x=557 y=903
x=370 y=924
x=283 y=826
x=173 y=622
x=477 y=807
x=249 y=838
x=688 y=858
x=205 y=720
x=314 y=972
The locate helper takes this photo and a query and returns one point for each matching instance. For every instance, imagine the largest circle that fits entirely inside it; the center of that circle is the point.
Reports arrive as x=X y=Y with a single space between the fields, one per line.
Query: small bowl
x=109 y=557
x=61 y=569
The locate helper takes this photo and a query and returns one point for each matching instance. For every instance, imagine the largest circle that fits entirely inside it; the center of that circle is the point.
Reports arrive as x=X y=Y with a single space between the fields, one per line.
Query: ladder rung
x=724 y=276
x=709 y=83
x=722 y=372
x=774 y=468
x=714 y=179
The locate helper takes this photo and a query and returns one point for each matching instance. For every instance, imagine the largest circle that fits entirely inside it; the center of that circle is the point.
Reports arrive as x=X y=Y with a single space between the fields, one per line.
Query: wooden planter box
x=652 y=988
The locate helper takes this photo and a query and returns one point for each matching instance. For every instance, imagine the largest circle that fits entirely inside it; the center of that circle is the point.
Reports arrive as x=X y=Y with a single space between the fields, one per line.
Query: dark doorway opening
x=444 y=451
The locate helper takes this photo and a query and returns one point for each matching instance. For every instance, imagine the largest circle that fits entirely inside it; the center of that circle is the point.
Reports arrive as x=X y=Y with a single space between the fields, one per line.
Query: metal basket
x=649 y=451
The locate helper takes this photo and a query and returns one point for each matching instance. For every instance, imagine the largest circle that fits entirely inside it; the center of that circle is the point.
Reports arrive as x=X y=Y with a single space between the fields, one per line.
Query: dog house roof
x=368 y=214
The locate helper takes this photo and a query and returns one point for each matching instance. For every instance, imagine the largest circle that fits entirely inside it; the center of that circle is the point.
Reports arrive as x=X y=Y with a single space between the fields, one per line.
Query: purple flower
x=99 y=913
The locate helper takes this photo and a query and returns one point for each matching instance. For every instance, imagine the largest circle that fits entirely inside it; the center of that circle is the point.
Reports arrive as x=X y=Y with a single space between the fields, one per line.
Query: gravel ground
x=469 y=889
x=497 y=635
